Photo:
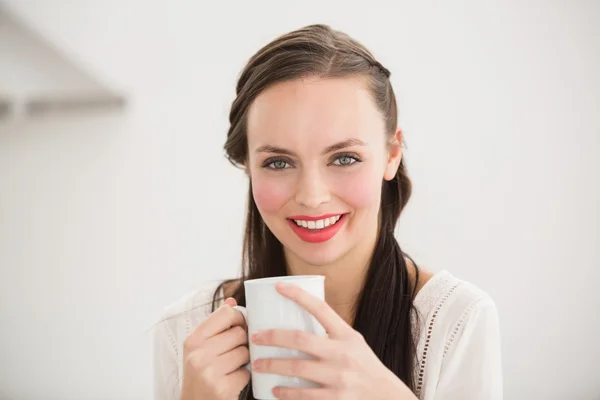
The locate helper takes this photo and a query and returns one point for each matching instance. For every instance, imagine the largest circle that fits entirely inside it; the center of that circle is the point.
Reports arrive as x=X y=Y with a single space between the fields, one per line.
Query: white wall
x=32 y=66
x=105 y=218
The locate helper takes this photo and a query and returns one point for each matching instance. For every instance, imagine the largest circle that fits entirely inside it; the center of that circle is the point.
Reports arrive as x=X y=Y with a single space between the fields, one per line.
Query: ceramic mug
x=267 y=309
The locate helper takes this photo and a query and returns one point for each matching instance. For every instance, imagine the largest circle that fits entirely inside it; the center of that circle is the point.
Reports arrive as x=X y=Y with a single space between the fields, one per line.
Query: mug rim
x=286 y=278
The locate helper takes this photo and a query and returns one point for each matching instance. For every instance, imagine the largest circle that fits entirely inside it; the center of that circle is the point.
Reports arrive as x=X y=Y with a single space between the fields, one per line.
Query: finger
x=226 y=341
x=232 y=360
x=231 y=301
x=222 y=319
x=329 y=319
x=315 y=345
x=286 y=393
x=313 y=370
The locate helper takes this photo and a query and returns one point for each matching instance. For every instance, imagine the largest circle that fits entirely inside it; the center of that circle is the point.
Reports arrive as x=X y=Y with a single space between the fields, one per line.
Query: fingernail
x=256 y=337
x=257 y=365
x=283 y=286
x=276 y=392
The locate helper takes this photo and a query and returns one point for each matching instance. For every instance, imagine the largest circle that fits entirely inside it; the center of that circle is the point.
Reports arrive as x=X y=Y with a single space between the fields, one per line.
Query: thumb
x=231 y=301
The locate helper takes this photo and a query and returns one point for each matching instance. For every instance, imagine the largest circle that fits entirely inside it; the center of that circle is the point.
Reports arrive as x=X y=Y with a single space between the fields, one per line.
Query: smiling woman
x=335 y=153
x=314 y=125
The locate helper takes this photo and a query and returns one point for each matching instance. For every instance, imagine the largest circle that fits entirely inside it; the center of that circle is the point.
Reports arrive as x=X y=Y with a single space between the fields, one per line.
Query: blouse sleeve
x=472 y=368
x=165 y=368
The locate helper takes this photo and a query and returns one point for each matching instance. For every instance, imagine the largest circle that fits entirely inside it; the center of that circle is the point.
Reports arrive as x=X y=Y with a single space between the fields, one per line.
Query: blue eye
x=279 y=164
x=276 y=164
x=345 y=160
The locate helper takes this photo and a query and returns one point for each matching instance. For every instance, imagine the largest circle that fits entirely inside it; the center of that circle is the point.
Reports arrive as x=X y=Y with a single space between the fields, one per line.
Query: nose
x=312 y=190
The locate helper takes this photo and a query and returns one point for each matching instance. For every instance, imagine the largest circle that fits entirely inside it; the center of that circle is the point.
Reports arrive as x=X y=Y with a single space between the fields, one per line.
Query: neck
x=344 y=278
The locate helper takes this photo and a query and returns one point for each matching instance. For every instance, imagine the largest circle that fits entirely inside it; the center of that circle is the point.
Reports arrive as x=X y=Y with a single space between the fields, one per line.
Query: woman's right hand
x=214 y=355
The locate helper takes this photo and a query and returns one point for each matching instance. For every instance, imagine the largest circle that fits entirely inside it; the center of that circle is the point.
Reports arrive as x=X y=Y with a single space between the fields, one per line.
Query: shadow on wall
x=38 y=79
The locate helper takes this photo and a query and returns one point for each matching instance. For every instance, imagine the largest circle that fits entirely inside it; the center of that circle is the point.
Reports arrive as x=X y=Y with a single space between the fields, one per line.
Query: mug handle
x=244 y=313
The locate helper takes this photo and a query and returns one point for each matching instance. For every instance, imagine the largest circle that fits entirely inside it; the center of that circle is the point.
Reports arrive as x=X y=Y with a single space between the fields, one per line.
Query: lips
x=317 y=229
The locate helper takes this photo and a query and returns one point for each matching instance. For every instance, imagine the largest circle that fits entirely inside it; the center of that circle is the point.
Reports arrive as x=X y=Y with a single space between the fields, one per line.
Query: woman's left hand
x=345 y=365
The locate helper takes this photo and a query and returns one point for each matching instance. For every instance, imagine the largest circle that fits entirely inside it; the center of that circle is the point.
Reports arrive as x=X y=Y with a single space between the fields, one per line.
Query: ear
x=394 y=156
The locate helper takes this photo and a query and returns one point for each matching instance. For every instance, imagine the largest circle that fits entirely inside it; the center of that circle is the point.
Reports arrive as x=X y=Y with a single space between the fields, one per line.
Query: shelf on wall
x=38 y=79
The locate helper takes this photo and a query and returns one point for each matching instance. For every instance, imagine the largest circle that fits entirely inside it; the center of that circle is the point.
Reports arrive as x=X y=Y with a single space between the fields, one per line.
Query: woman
x=314 y=125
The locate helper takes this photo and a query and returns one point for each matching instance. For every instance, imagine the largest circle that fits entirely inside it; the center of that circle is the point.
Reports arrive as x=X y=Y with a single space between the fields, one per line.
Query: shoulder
x=190 y=309
x=447 y=304
x=458 y=338
x=447 y=299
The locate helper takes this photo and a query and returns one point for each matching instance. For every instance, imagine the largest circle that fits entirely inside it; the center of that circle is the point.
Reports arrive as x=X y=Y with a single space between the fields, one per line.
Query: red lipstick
x=316 y=235
x=307 y=218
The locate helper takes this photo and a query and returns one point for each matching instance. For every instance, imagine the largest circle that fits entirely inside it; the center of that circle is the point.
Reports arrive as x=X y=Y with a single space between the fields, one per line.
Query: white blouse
x=458 y=351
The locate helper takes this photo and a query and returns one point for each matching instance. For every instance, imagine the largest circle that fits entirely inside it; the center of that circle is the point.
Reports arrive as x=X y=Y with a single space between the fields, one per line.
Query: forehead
x=313 y=111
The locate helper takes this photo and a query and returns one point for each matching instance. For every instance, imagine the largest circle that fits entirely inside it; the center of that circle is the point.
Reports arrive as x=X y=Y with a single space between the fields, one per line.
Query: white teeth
x=320 y=224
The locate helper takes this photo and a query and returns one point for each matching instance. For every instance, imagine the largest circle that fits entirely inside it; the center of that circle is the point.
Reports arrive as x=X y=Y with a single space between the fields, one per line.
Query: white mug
x=267 y=309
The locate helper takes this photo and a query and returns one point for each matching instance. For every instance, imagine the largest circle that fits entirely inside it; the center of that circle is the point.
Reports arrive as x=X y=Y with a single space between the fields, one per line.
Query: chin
x=318 y=259
x=315 y=254
x=318 y=255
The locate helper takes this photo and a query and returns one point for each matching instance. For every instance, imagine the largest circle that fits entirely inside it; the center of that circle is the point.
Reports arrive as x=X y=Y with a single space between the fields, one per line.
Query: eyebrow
x=334 y=147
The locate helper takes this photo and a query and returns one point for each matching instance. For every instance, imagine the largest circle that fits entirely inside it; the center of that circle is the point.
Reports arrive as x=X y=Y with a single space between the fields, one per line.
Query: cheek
x=360 y=189
x=271 y=194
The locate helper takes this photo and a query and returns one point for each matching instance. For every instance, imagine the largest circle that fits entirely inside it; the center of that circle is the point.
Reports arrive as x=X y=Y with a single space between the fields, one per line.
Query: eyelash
x=270 y=161
x=347 y=155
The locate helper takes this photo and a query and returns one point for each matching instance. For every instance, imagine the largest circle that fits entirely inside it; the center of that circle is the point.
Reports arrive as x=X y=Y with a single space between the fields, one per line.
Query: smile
x=318 y=224
x=317 y=229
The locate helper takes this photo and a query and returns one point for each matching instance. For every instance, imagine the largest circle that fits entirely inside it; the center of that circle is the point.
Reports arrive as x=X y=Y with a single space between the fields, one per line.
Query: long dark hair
x=318 y=50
